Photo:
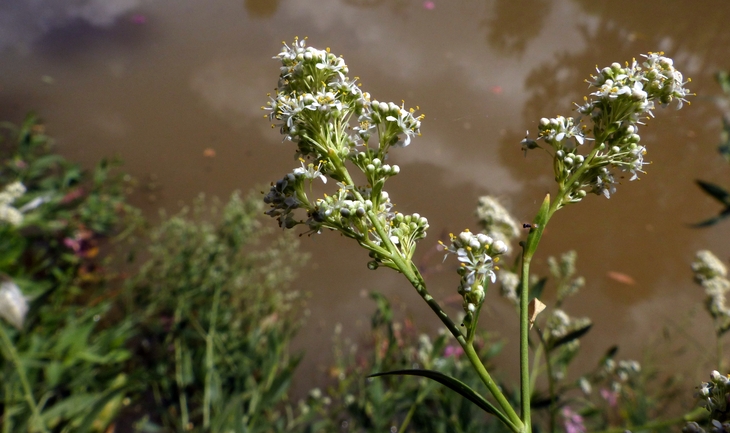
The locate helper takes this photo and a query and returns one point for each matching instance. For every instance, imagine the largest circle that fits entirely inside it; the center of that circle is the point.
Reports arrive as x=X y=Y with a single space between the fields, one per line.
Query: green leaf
x=93 y=413
x=11 y=248
x=448 y=381
x=574 y=335
x=542 y=401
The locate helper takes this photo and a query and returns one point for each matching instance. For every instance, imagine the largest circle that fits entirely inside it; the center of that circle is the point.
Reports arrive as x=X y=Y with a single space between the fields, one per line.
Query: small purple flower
x=455 y=351
x=611 y=397
x=573 y=422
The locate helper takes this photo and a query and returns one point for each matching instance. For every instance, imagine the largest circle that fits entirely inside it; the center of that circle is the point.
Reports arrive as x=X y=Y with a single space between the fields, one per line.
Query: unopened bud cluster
x=477 y=255
x=714 y=395
x=625 y=96
x=332 y=122
x=711 y=274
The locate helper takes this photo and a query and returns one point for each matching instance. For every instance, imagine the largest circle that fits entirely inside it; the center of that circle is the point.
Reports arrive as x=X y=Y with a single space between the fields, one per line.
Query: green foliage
x=196 y=341
x=356 y=403
x=63 y=371
x=215 y=320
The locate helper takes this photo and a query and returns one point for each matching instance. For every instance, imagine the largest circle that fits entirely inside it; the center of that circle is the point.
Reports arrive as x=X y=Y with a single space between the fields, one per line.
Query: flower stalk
x=334 y=125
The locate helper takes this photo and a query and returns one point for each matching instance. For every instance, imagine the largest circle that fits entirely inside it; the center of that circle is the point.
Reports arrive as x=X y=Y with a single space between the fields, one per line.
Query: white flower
x=13 y=305
x=8 y=213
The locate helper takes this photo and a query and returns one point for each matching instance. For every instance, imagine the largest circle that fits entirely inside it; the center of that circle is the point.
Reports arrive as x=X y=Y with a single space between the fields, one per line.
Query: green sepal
x=451 y=383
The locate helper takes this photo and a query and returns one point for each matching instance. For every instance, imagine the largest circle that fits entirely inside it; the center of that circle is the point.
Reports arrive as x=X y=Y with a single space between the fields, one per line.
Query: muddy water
x=174 y=88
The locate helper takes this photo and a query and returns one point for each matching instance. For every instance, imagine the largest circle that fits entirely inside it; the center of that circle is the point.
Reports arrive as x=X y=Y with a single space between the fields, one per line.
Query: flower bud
x=13 y=305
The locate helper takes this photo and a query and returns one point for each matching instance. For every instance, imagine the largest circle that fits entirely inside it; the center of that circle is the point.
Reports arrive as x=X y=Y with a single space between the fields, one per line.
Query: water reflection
x=162 y=91
x=23 y=23
x=261 y=8
x=513 y=24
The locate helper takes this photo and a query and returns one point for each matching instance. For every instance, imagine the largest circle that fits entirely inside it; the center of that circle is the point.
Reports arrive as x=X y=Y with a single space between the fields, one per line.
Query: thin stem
x=422 y=393
x=525 y=393
x=28 y=393
x=535 y=368
x=718 y=352
x=209 y=352
x=179 y=373
x=551 y=380
x=510 y=417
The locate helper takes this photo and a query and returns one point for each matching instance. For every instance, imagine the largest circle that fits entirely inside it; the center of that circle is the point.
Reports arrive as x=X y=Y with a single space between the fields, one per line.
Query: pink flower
x=455 y=351
x=573 y=422
x=611 y=397
x=429 y=5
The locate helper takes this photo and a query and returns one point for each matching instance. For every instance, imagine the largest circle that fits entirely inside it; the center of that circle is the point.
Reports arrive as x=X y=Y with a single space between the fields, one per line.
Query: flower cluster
x=8 y=213
x=714 y=393
x=332 y=121
x=559 y=325
x=563 y=270
x=510 y=286
x=477 y=254
x=711 y=274
x=624 y=97
x=714 y=396
x=315 y=102
x=618 y=373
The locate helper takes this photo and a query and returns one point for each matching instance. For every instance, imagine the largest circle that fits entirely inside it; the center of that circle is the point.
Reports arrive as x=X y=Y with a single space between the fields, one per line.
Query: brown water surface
x=159 y=82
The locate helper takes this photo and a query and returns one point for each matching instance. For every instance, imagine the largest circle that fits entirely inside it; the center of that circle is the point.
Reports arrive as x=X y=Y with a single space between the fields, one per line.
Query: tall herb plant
x=337 y=127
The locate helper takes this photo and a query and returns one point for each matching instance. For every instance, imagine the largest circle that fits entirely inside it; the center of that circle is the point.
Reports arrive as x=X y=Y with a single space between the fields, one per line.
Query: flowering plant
x=334 y=124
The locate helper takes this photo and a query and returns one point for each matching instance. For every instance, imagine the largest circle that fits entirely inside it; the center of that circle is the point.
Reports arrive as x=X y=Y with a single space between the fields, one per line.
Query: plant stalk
x=525 y=392
x=509 y=417
x=28 y=393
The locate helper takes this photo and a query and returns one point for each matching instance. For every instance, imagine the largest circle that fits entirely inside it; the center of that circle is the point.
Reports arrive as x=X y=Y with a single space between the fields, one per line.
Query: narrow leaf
x=714 y=220
x=448 y=381
x=93 y=413
x=717 y=192
x=571 y=336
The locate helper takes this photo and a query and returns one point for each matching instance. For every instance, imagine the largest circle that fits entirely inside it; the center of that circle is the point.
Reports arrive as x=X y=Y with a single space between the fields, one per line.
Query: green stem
x=719 y=355
x=525 y=393
x=179 y=373
x=698 y=414
x=28 y=393
x=509 y=417
x=535 y=368
x=209 y=367
x=422 y=393
x=551 y=380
